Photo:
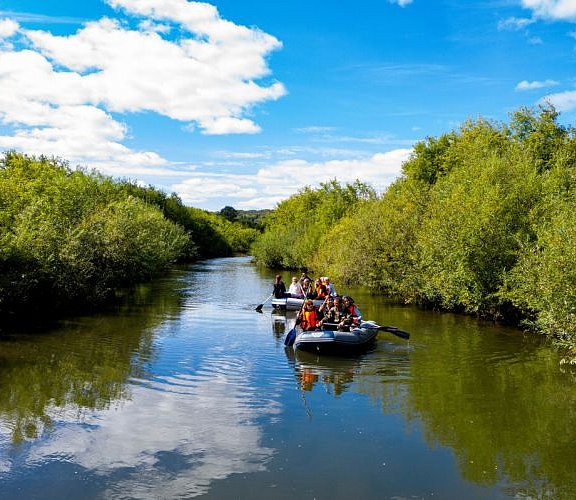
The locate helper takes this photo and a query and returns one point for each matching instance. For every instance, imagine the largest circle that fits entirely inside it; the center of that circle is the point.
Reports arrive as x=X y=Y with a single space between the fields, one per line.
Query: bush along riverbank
x=481 y=221
x=68 y=237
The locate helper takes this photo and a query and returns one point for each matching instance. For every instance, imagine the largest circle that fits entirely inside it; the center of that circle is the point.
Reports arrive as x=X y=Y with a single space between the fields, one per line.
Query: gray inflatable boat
x=292 y=304
x=328 y=341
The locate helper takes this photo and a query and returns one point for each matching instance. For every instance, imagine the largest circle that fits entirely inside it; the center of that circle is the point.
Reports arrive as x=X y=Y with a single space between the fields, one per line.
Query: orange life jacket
x=321 y=292
x=310 y=319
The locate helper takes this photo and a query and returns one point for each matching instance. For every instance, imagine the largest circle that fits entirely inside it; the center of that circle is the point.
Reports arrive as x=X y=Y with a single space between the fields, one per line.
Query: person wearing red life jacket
x=351 y=314
x=309 y=317
x=321 y=290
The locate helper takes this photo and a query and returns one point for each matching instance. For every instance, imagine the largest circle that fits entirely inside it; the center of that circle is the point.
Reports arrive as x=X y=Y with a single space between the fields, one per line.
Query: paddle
x=395 y=331
x=291 y=335
x=390 y=329
x=260 y=306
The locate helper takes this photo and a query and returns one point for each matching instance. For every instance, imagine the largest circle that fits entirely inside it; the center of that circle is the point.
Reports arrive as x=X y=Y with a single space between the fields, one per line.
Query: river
x=185 y=391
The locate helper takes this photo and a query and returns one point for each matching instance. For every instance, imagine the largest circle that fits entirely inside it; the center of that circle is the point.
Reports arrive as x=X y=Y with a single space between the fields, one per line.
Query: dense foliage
x=294 y=229
x=211 y=235
x=70 y=237
x=481 y=221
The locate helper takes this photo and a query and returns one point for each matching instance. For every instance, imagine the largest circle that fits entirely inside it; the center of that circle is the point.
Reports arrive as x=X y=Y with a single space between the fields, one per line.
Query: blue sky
x=243 y=103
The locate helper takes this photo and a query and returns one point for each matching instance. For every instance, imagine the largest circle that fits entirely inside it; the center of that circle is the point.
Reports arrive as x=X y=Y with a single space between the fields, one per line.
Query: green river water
x=185 y=391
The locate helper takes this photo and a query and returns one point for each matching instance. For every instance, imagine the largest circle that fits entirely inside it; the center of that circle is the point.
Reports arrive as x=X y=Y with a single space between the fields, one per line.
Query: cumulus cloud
x=59 y=93
x=552 y=9
x=276 y=182
x=526 y=85
x=8 y=27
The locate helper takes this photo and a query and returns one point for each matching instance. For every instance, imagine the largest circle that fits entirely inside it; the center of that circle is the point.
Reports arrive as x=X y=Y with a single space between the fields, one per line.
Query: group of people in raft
x=338 y=312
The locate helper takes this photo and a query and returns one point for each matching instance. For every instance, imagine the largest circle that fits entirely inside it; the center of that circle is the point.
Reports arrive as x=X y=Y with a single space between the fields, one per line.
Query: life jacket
x=351 y=313
x=321 y=292
x=309 y=319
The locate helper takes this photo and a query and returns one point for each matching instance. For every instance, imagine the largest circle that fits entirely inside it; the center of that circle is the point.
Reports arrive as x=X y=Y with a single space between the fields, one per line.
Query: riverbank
x=481 y=222
x=70 y=238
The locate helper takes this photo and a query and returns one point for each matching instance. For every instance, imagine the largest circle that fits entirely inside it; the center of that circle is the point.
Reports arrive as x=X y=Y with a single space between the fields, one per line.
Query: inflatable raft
x=326 y=341
x=292 y=304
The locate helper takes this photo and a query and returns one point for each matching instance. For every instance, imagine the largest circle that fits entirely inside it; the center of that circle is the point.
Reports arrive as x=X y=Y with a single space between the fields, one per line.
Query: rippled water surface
x=186 y=391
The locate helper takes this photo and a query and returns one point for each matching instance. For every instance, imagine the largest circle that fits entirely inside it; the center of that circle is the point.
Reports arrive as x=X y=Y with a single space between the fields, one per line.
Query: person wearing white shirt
x=330 y=286
x=295 y=289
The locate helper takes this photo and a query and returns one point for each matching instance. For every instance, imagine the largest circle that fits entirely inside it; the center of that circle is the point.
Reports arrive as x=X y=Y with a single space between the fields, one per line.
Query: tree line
x=69 y=237
x=481 y=221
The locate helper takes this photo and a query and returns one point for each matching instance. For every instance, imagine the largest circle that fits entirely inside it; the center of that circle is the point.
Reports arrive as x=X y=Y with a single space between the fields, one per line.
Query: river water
x=185 y=391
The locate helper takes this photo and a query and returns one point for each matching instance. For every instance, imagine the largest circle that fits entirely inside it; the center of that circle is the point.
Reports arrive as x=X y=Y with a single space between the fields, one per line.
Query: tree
x=229 y=213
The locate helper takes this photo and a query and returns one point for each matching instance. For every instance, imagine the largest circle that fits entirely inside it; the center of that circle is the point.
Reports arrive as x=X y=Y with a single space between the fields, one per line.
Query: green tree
x=229 y=213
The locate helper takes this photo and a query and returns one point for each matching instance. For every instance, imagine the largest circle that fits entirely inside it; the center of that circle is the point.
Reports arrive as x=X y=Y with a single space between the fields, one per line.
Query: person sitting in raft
x=330 y=286
x=326 y=306
x=308 y=289
x=303 y=277
x=334 y=315
x=279 y=290
x=308 y=316
x=321 y=290
x=295 y=289
x=351 y=314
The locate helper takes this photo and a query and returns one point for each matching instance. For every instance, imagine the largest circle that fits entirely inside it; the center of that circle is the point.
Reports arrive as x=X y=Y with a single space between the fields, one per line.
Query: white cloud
x=204 y=186
x=402 y=3
x=382 y=139
x=552 y=9
x=315 y=129
x=514 y=24
x=276 y=182
x=148 y=25
x=526 y=85
x=240 y=155
x=27 y=17
x=59 y=93
x=562 y=101
x=8 y=27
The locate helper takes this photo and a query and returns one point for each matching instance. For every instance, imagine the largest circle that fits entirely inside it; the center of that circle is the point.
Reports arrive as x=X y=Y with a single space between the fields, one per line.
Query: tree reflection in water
x=84 y=364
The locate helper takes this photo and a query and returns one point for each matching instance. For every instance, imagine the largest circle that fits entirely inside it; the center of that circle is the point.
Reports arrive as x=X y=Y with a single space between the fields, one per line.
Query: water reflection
x=172 y=438
x=334 y=374
x=187 y=391
x=152 y=399
x=498 y=401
